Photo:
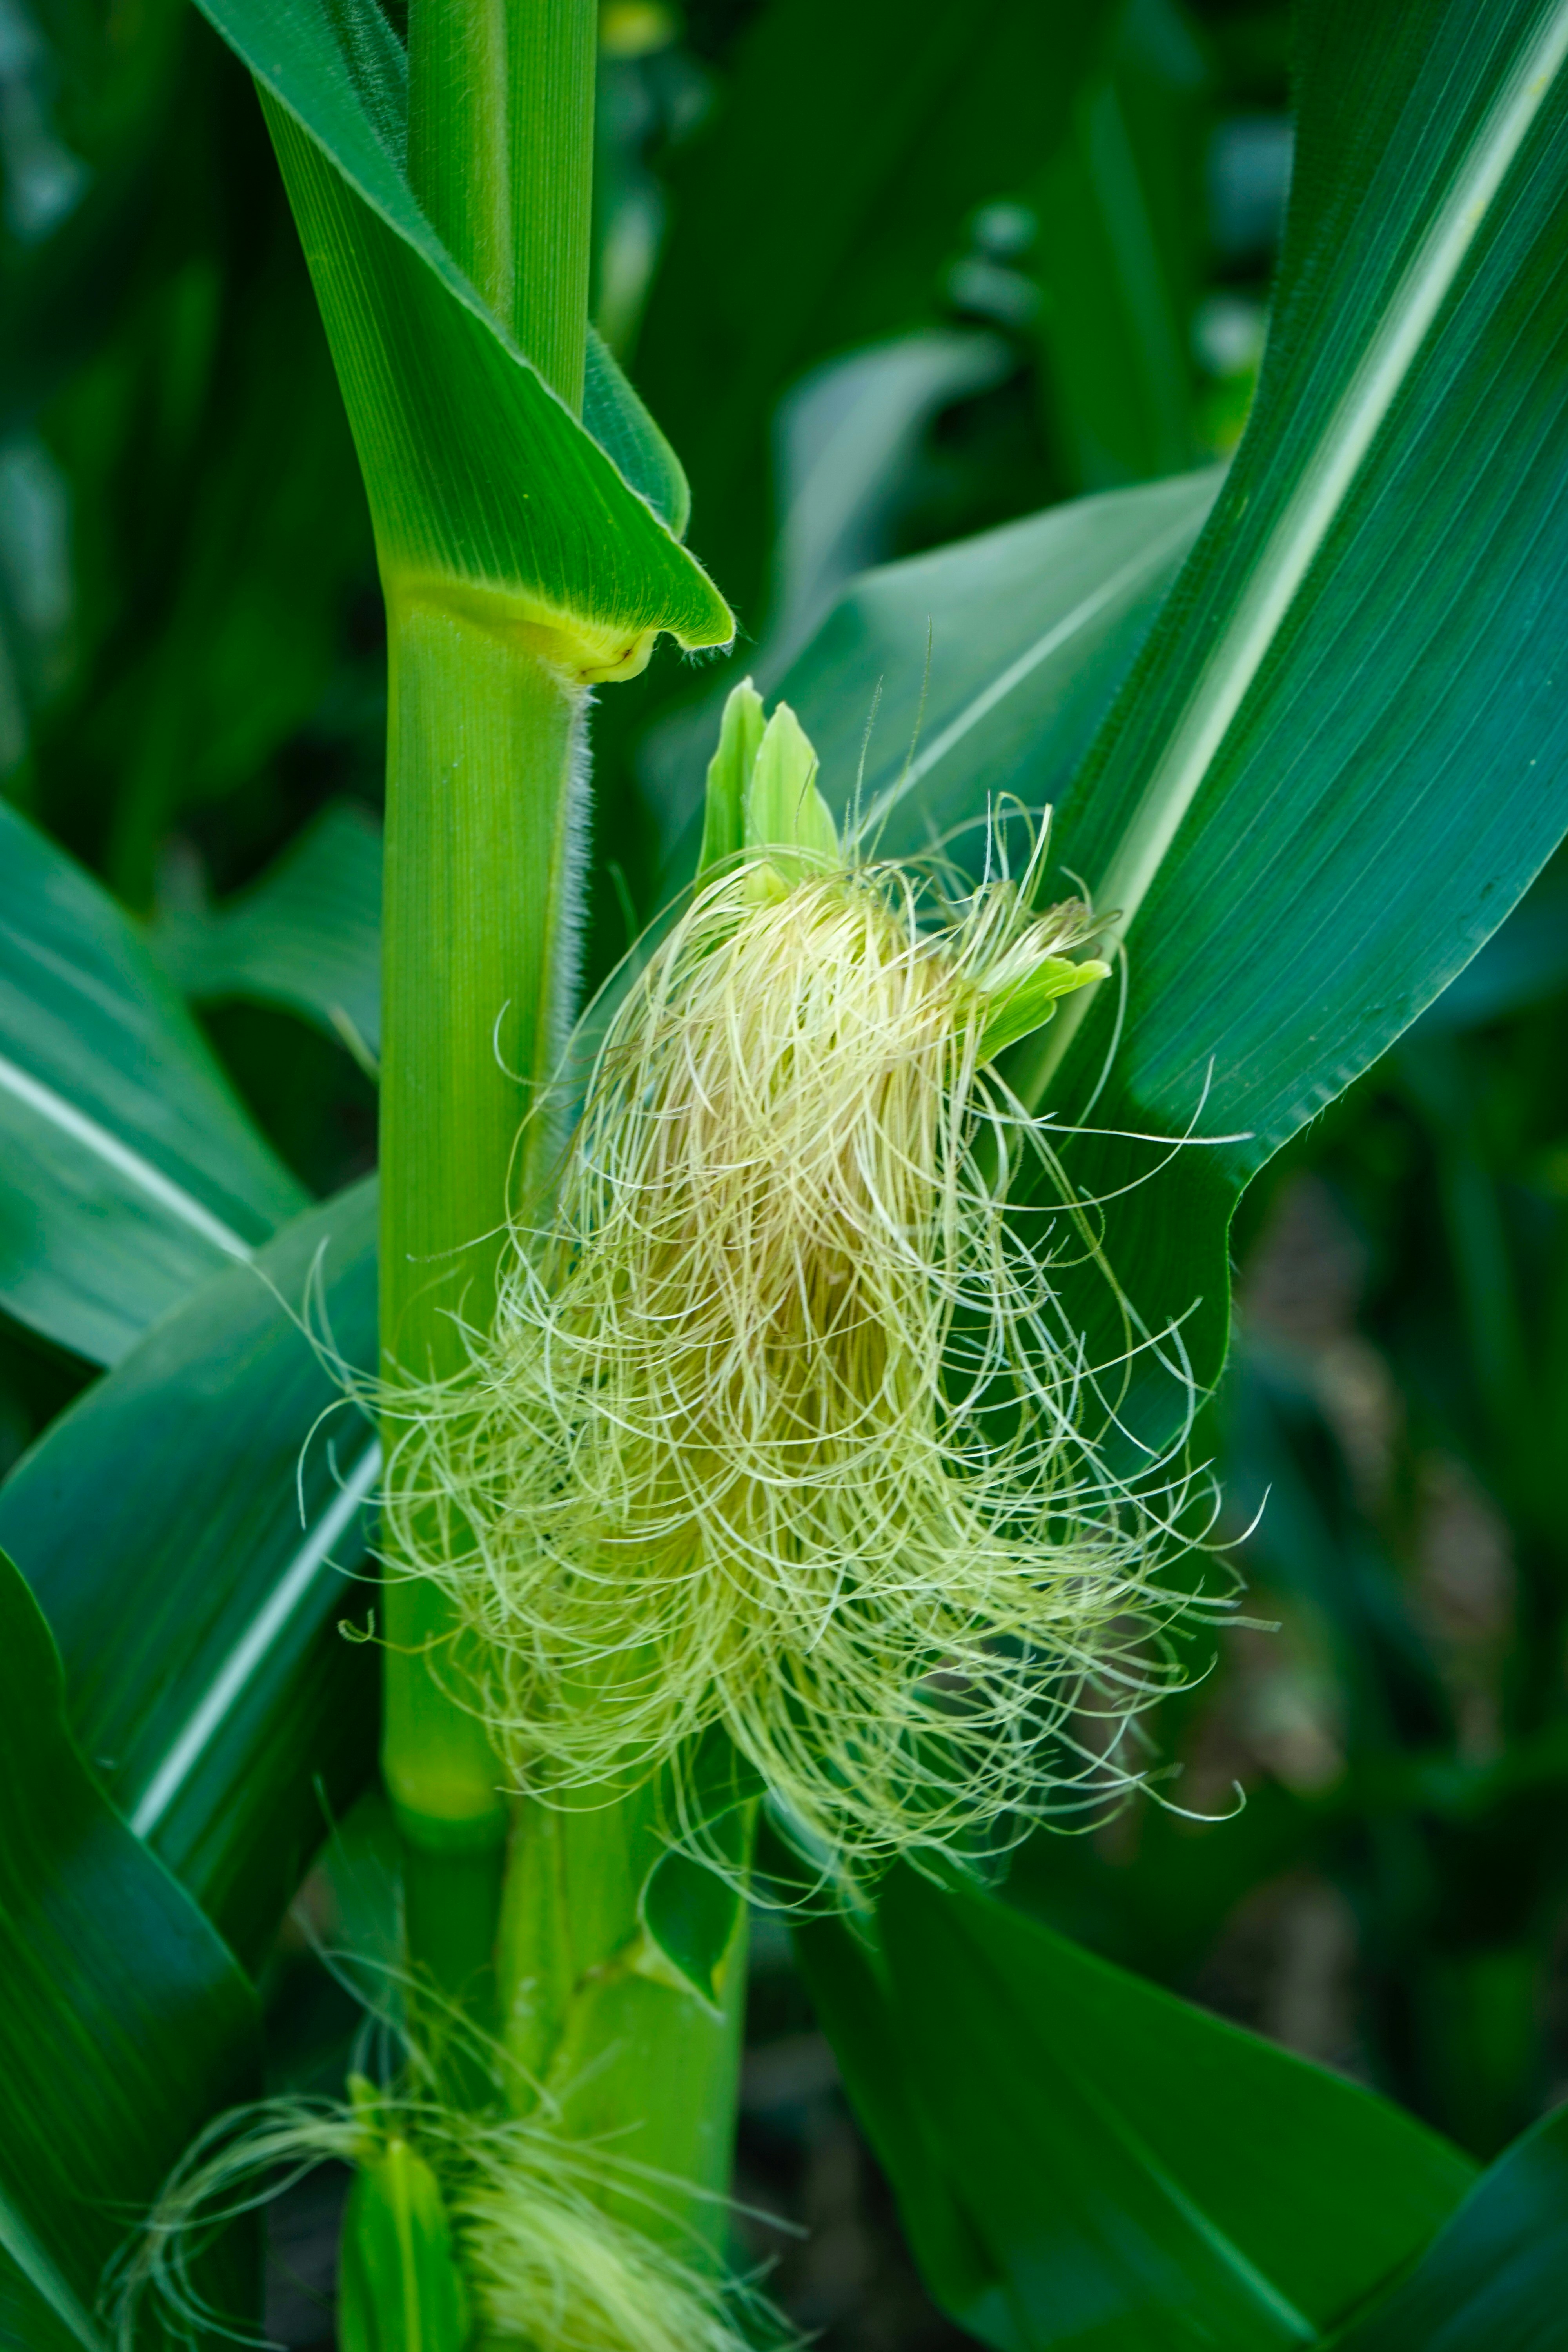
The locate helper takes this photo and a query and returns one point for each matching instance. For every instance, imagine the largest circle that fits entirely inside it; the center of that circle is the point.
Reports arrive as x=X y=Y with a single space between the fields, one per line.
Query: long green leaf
x=1119 y=211
x=1137 y=2173
x=125 y=2026
x=985 y=669
x=485 y=489
x=306 y=935
x=130 y=1171
x=1496 y=2278
x=1343 y=755
x=195 y=1556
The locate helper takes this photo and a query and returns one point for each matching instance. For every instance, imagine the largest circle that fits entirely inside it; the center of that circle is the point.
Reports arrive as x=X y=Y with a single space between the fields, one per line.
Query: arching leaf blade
x=1090 y=2161
x=126 y=2023
x=481 y=481
x=196 y=1541
x=129 y=1170
x=1343 y=755
x=1495 y=2278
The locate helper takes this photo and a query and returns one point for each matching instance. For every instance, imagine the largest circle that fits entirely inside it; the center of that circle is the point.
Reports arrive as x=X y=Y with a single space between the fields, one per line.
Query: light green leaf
x=846 y=438
x=130 y=1171
x=485 y=492
x=784 y=808
x=196 y=1555
x=730 y=776
x=623 y=428
x=1018 y=1011
x=399 y=2286
x=126 y=2025
x=305 y=936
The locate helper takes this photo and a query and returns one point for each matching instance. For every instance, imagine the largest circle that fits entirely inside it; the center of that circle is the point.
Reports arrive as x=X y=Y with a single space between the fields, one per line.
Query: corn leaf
x=985 y=669
x=1120 y=257
x=128 y=1169
x=1343 y=753
x=1495 y=2279
x=305 y=936
x=1081 y=2158
x=126 y=2023
x=484 y=488
x=196 y=1554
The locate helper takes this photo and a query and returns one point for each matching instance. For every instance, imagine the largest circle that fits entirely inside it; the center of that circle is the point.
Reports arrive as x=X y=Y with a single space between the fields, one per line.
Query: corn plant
x=767 y=1394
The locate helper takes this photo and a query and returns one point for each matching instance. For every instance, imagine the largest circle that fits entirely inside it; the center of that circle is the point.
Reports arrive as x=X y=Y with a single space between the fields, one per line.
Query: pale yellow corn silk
x=544 y=2267
x=782 y=1425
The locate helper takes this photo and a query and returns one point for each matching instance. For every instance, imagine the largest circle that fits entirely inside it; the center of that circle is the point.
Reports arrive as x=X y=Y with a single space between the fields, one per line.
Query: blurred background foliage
x=887 y=277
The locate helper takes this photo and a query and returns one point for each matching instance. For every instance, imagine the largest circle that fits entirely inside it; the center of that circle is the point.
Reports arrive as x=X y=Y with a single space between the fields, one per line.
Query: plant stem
x=481 y=820
x=478 y=848
x=629 y=2055
x=459 y=160
x=482 y=757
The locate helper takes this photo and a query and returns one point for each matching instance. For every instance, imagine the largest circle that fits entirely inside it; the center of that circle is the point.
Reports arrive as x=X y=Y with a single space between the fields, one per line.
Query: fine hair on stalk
x=782 y=1425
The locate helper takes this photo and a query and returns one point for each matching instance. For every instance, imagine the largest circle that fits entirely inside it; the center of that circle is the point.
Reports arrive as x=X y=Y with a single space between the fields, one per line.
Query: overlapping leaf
x=305 y=936
x=1495 y=2279
x=985 y=669
x=1119 y=216
x=126 y=2023
x=821 y=206
x=1083 y=2159
x=195 y=1557
x=1342 y=754
x=483 y=486
x=130 y=1171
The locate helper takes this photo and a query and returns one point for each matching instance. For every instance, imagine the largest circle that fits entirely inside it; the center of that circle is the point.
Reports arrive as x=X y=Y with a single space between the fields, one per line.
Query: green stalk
x=479 y=828
x=482 y=816
x=479 y=846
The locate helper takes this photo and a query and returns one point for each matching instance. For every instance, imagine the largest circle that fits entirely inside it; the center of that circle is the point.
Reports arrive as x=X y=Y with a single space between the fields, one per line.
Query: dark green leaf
x=1344 y=753
x=131 y=1172
x=691 y=1913
x=305 y=936
x=193 y=1536
x=125 y=2025
x=820 y=207
x=1030 y=630
x=691 y=1900
x=1522 y=964
x=1138 y=2173
x=1496 y=2278
x=1120 y=208
x=849 y=1993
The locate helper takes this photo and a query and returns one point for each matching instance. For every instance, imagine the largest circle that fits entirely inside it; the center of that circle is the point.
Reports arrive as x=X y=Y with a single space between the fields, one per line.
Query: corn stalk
x=526 y=1915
